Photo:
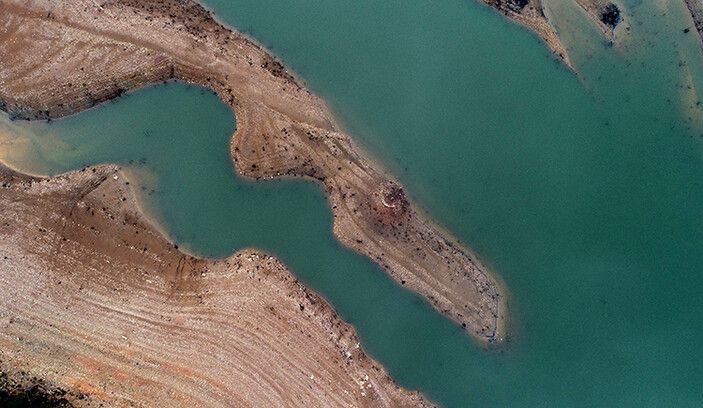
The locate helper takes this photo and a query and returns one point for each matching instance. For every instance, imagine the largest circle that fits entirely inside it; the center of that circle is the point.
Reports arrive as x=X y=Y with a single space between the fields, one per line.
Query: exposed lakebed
x=583 y=195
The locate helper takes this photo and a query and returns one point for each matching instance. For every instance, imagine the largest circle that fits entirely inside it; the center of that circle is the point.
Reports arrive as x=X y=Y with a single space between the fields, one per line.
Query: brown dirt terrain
x=98 y=309
x=695 y=7
x=62 y=58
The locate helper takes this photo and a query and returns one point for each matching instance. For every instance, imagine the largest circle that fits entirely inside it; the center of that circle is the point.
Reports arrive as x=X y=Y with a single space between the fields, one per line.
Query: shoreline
x=695 y=9
x=64 y=351
x=274 y=112
x=161 y=229
x=531 y=14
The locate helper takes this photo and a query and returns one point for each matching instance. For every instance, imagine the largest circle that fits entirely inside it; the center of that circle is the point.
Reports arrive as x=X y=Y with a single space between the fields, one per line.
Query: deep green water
x=583 y=192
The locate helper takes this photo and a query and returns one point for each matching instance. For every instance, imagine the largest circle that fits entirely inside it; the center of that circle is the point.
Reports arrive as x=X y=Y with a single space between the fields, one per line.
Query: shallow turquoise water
x=584 y=192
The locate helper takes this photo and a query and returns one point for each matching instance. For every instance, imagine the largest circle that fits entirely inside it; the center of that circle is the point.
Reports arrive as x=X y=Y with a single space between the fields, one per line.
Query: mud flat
x=91 y=52
x=102 y=309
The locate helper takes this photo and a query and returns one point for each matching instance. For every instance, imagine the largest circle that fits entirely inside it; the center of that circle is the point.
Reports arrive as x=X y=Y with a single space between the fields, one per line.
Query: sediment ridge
x=98 y=309
x=63 y=58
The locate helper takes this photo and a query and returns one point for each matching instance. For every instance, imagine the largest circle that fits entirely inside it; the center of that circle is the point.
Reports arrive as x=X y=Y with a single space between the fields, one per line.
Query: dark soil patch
x=610 y=15
x=30 y=392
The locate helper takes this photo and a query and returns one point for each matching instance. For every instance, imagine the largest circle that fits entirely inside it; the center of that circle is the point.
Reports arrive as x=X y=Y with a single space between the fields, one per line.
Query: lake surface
x=584 y=192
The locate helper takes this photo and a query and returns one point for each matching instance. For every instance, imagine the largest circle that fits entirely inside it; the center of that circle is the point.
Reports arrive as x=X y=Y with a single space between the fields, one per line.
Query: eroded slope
x=98 y=304
x=92 y=51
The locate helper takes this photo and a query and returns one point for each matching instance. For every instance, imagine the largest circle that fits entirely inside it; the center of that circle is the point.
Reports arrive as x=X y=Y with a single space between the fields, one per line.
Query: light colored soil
x=61 y=58
x=97 y=304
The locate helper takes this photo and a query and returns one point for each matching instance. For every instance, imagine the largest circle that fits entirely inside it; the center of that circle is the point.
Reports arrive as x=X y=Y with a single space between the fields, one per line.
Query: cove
x=172 y=140
x=583 y=192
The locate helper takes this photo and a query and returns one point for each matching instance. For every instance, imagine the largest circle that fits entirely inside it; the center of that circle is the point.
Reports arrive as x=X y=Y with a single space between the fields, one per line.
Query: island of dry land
x=85 y=315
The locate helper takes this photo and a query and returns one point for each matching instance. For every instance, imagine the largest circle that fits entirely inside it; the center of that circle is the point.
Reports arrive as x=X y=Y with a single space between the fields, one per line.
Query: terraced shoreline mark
x=98 y=309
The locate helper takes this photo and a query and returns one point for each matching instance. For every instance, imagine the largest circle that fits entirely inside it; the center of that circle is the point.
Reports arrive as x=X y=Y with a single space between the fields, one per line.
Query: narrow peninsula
x=92 y=52
x=126 y=307
x=98 y=309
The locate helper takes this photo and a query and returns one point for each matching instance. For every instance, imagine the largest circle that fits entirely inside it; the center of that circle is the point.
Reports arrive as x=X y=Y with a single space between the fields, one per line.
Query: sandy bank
x=101 y=307
x=95 y=51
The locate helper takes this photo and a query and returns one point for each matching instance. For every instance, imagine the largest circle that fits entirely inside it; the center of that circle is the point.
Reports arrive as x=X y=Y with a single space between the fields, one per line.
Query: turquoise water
x=583 y=191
